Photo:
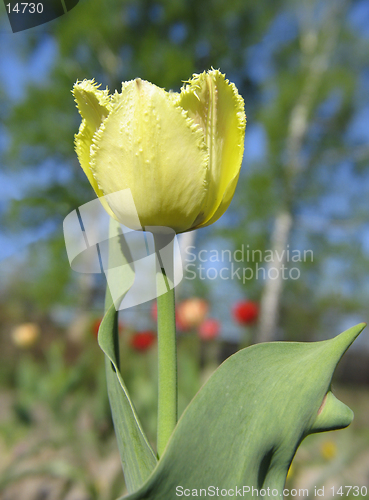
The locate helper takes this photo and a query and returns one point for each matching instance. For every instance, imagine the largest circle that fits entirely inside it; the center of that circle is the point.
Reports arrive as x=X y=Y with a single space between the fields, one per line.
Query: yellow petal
x=93 y=103
x=224 y=204
x=148 y=144
x=215 y=105
x=93 y=106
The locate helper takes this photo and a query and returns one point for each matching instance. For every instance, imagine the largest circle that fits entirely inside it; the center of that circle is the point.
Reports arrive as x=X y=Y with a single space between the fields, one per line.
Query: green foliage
x=137 y=456
x=261 y=402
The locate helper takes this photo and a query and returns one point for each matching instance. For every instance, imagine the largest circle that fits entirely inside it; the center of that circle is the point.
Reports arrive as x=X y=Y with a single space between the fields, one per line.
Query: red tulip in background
x=209 y=329
x=96 y=325
x=179 y=325
x=154 y=311
x=246 y=312
x=141 y=341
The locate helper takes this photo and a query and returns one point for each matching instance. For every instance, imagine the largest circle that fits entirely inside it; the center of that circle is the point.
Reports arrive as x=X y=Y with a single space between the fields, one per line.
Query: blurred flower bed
x=56 y=434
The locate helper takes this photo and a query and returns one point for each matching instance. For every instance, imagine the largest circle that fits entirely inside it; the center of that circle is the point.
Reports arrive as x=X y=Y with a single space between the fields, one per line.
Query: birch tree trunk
x=315 y=58
x=270 y=301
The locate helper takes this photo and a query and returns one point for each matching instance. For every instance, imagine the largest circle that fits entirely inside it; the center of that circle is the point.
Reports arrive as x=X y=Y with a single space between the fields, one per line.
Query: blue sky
x=18 y=69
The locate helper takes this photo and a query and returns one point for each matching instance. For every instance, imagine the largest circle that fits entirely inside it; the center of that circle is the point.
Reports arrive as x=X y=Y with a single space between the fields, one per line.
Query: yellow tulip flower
x=180 y=154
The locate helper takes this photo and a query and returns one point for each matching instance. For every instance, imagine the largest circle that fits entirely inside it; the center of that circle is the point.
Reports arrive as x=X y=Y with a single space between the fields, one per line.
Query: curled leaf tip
x=332 y=415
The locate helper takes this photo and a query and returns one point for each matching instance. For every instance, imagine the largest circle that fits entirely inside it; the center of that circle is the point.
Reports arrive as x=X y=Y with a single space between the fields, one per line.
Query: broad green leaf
x=138 y=458
x=245 y=424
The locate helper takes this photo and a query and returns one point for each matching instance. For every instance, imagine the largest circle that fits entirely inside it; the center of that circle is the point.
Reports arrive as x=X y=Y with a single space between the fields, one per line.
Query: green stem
x=167 y=363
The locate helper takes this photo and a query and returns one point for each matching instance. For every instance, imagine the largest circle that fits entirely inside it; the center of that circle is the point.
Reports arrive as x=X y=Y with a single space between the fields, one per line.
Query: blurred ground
x=57 y=440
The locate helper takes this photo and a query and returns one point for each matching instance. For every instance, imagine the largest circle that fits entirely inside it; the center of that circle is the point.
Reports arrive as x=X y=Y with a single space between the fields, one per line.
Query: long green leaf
x=243 y=427
x=138 y=458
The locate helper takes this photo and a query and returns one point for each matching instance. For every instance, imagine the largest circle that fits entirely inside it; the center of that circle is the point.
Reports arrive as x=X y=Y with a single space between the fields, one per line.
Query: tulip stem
x=167 y=362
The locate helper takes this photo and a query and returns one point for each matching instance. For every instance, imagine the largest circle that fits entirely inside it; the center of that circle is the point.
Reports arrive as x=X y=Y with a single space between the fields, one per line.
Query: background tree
x=301 y=70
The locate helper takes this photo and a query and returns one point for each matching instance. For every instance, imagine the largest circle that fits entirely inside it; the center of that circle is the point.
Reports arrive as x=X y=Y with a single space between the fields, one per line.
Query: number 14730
x=22 y=8
x=350 y=490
